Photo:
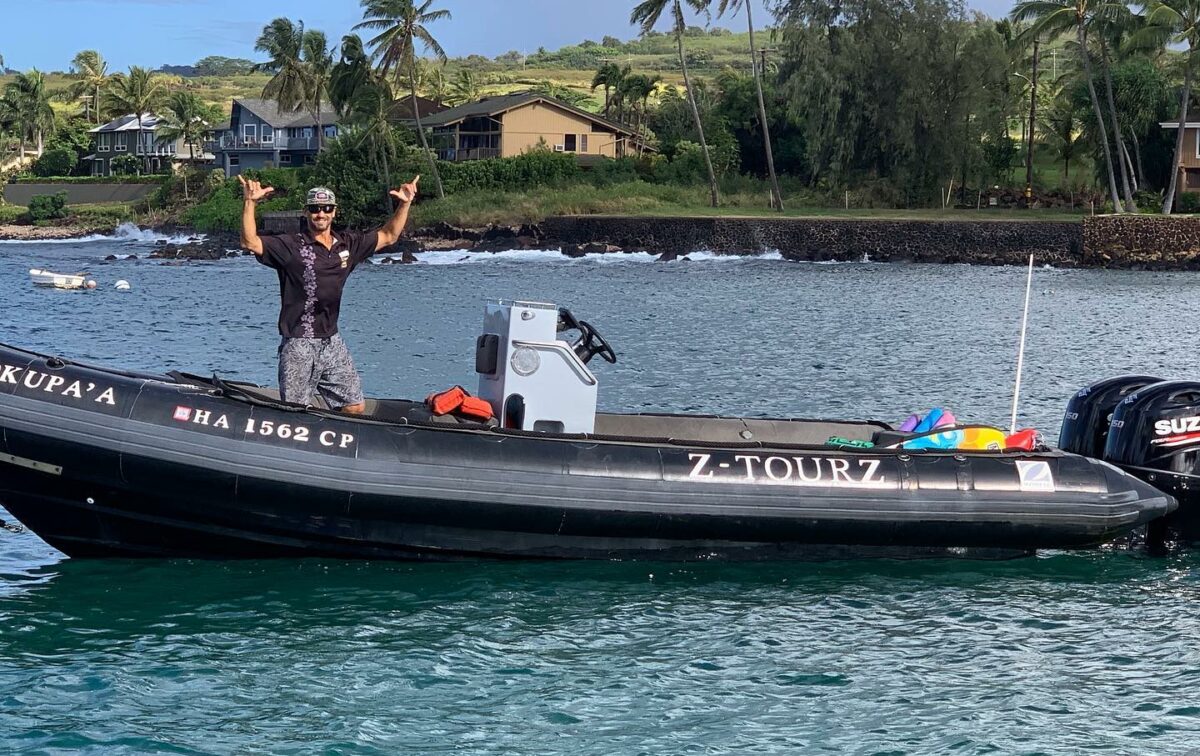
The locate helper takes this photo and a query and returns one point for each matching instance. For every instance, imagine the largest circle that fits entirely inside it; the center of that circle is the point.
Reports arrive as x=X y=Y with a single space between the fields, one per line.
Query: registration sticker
x=1035 y=475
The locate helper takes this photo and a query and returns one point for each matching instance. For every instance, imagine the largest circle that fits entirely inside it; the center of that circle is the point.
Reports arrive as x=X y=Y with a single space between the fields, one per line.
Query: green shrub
x=101 y=215
x=1188 y=202
x=56 y=162
x=125 y=165
x=221 y=208
x=1148 y=201
x=48 y=206
x=12 y=213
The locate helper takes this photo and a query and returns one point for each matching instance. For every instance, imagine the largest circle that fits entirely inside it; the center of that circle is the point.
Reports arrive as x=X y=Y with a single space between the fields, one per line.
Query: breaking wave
x=466 y=257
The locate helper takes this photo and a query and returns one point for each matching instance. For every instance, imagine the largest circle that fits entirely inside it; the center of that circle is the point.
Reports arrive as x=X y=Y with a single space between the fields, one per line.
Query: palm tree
x=401 y=24
x=647 y=14
x=300 y=61
x=1060 y=126
x=465 y=87
x=1113 y=20
x=637 y=88
x=91 y=74
x=1177 y=22
x=608 y=76
x=186 y=120
x=1054 y=17
x=26 y=104
x=734 y=5
x=318 y=60
x=136 y=93
x=365 y=101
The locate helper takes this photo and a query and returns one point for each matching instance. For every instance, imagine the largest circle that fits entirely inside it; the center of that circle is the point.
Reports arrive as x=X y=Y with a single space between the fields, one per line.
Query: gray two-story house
x=125 y=136
x=260 y=134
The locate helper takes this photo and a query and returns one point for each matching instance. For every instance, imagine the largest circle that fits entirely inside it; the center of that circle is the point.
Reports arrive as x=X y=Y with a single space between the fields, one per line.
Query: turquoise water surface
x=1058 y=653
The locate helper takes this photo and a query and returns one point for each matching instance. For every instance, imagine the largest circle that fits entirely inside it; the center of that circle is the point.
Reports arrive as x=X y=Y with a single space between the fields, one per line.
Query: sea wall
x=1102 y=241
x=1142 y=241
x=79 y=194
x=980 y=242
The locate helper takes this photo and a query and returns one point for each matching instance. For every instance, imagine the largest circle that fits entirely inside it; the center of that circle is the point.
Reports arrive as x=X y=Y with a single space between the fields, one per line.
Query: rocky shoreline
x=1130 y=242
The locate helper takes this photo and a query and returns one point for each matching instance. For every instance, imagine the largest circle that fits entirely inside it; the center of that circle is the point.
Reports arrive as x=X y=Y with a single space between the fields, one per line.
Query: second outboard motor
x=1155 y=435
x=1085 y=423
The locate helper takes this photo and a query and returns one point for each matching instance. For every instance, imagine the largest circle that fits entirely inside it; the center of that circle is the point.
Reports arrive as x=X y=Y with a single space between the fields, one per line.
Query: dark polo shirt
x=311 y=278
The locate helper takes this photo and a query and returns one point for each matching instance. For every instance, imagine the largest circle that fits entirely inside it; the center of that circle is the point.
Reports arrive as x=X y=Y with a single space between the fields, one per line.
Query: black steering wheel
x=590 y=342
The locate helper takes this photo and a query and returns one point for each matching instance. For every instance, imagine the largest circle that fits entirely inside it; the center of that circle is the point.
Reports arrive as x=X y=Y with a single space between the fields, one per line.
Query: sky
x=152 y=33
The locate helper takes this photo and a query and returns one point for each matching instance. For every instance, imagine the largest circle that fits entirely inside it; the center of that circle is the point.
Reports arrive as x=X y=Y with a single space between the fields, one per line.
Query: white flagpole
x=1021 y=349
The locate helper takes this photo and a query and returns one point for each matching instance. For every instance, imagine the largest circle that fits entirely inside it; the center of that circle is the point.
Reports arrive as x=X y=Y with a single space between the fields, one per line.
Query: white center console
x=533 y=380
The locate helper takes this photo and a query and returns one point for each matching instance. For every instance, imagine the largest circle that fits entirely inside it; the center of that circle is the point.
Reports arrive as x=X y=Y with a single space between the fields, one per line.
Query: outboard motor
x=1155 y=435
x=1086 y=421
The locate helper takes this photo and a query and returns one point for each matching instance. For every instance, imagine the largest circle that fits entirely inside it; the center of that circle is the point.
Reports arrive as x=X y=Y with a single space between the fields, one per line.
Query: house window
x=569 y=143
x=103 y=142
x=1198 y=144
x=285 y=159
x=119 y=143
x=249 y=133
x=268 y=135
x=583 y=143
x=235 y=161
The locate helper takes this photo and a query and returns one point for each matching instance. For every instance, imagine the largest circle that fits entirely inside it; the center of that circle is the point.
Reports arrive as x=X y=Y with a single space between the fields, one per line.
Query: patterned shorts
x=318 y=366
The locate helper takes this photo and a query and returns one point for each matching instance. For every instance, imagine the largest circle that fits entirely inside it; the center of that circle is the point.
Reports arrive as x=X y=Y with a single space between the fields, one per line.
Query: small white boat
x=58 y=280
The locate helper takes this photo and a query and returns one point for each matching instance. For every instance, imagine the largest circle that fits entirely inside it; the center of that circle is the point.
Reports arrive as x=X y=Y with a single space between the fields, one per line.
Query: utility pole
x=762 y=69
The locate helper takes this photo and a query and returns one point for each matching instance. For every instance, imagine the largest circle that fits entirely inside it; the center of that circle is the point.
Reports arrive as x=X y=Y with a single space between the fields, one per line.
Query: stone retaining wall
x=79 y=194
x=1103 y=241
x=1142 y=241
x=980 y=242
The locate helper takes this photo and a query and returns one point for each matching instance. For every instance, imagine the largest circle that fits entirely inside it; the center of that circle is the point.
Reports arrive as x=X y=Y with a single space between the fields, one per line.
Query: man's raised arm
x=390 y=232
x=252 y=193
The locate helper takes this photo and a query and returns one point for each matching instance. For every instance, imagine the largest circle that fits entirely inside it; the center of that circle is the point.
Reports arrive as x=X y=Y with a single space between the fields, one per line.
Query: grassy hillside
x=572 y=67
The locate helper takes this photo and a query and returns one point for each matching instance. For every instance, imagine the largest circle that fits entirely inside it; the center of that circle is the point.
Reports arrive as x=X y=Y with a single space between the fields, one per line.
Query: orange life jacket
x=458 y=401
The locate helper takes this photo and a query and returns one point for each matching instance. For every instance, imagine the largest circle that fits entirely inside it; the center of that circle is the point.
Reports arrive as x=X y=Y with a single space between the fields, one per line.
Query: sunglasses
x=314 y=209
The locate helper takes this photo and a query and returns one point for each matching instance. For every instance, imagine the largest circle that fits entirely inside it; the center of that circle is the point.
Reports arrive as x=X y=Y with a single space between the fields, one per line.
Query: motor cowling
x=1086 y=421
x=1158 y=427
x=1155 y=435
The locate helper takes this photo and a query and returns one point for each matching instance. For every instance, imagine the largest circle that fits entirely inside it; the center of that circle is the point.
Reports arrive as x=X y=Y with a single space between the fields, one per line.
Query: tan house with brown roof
x=1189 y=180
x=508 y=125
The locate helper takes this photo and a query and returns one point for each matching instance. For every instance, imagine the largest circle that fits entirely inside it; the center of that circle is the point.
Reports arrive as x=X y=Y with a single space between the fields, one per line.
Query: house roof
x=128 y=123
x=493 y=106
x=1192 y=122
x=402 y=109
x=269 y=111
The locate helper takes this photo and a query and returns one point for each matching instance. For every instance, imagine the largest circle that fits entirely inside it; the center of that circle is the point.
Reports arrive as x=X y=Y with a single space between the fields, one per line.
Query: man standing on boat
x=313 y=266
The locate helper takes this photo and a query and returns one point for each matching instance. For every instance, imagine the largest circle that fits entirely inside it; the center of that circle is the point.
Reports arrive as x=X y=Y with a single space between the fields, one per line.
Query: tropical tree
x=186 y=118
x=364 y=99
x=1060 y=129
x=1177 y=22
x=300 y=61
x=401 y=24
x=608 y=76
x=1113 y=21
x=646 y=14
x=734 y=5
x=26 y=105
x=465 y=87
x=637 y=89
x=1054 y=17
x=90 y=73
x=136 y=93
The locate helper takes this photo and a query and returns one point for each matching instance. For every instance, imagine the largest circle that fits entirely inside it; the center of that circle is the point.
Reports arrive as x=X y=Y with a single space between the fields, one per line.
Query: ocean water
x=1057 y=653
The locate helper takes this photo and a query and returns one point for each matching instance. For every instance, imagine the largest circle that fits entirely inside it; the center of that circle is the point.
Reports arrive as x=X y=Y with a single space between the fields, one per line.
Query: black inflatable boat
x=101 y=462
